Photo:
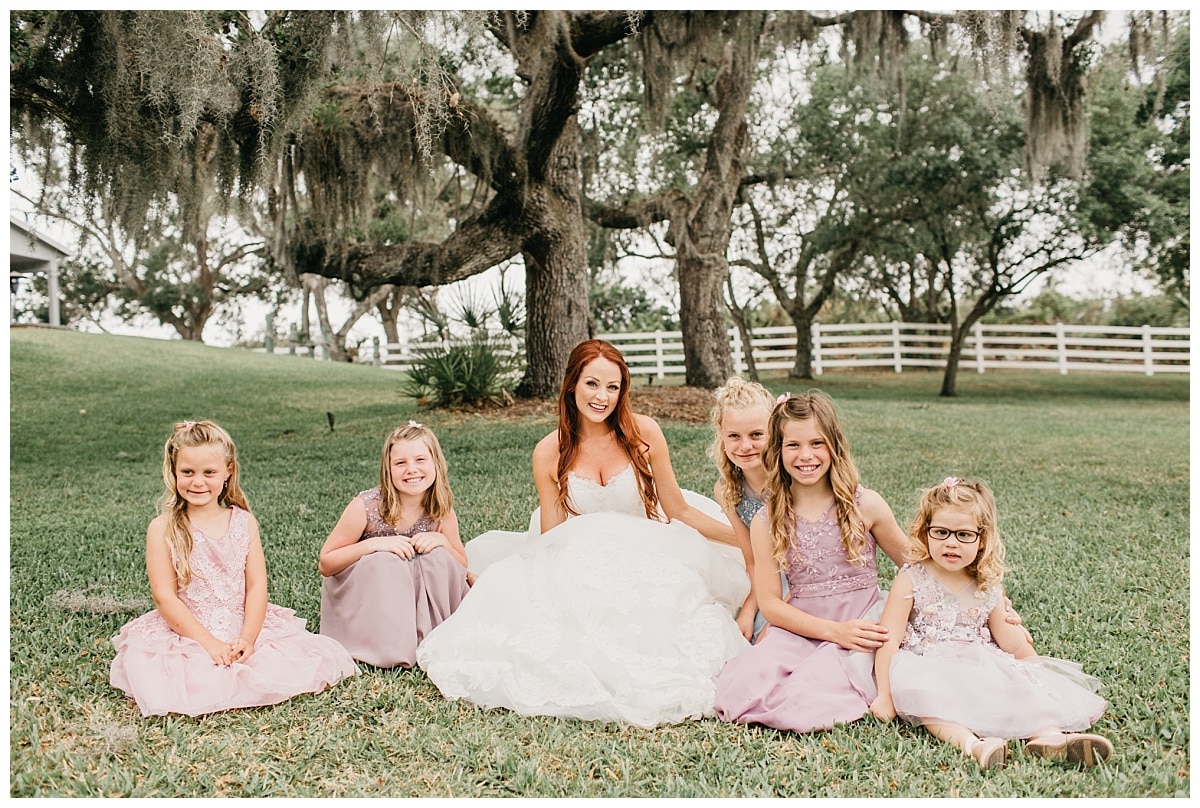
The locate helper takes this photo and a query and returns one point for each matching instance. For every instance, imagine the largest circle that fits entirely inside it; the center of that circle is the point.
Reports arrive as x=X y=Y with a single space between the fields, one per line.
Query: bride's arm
x=669 y=494
x=545 y=470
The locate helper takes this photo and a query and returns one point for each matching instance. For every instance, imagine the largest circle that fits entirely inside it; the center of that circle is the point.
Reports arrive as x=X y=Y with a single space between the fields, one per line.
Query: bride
x=615 y=606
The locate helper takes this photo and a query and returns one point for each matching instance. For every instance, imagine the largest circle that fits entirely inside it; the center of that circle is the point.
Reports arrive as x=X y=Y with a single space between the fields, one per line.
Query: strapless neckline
x=611 y=479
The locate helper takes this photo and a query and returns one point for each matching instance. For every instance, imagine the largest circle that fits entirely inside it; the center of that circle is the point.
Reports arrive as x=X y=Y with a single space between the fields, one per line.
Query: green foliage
x=1098 y=541
x=462 y=375
x=617 y=306
x=1139 y=168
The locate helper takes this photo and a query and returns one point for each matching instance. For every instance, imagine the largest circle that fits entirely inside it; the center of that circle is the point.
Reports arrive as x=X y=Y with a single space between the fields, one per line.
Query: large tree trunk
x=703 y=238
x=556 y=277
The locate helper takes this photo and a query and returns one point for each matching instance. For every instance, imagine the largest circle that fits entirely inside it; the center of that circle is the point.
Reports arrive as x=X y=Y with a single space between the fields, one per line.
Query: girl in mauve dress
x=812 y=667
x=213 y=641
x=394 y=566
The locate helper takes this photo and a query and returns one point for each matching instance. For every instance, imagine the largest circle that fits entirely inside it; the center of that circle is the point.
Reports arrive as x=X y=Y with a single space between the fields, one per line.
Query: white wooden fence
x=1064 y=348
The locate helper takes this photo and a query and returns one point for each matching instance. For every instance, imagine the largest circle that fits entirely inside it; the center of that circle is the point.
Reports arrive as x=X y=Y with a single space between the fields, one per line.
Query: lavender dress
x=950 y=670
x=796 y=683
x=167 y=673
x=382 y=606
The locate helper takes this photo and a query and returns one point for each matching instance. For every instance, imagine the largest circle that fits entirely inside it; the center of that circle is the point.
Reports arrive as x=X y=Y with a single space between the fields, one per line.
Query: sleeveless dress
x=797 y=683
x=382 y=606
x=167 y=673
x=949 y=669
x=609 y=616
x=748 y=505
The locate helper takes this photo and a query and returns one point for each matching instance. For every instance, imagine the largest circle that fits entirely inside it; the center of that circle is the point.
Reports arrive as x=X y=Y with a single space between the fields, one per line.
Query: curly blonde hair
x=178 y=533
x=973 y=498
x=843 y=476
x=735 y=394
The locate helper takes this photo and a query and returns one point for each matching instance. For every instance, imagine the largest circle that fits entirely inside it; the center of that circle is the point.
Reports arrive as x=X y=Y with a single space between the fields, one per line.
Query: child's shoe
x=991 y=753
x=1083 y=749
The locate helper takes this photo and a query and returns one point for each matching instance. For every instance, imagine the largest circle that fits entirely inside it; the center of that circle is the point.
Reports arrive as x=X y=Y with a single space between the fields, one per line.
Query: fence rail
x=1060 y=347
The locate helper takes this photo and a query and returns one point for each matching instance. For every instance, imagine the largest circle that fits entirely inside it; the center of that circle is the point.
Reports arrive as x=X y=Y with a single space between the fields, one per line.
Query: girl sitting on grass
x=952 y=663
x=813 y=668
x=213 y=641
x=394 y=566
x=739 y=419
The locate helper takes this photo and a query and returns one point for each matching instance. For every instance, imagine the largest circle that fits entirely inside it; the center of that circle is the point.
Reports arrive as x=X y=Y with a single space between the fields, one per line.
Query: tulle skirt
x=992 y=693
x=607 y=617
x=166 y=673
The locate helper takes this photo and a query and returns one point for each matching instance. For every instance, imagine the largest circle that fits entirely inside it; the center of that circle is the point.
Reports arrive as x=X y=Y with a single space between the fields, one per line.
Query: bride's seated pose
x=619 y=602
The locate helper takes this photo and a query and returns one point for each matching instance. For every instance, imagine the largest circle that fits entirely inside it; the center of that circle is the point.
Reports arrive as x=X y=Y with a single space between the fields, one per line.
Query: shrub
x=463 y=376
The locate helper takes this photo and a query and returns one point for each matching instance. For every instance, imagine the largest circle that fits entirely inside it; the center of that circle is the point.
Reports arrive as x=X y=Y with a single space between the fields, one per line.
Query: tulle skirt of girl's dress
x=992 y=693
x=166 y=673
x=382 y=606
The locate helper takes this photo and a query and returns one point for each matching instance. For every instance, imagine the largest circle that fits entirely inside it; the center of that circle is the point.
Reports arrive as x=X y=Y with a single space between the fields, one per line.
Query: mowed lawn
x=1090 y=471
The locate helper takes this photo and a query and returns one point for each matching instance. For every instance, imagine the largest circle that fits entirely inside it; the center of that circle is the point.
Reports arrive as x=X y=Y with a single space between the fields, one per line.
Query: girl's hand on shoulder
x=883 y=708
x=860 y=635
x=428 y=541
x=1011 y=616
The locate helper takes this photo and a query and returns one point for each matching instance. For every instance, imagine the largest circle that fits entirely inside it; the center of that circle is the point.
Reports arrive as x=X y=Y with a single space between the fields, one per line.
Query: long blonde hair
x=735 y=394
x=178 y=534
x=843 y=477
x=976 y=499
x=438 y=499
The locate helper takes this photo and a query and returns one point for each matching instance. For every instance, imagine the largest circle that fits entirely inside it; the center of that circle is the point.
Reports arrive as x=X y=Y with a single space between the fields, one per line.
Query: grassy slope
x=1091 y=474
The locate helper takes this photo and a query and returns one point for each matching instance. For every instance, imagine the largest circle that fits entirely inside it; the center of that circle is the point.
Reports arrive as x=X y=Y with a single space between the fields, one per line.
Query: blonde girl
x=213 y=641
x=394 y=567
x=739 y=418
x=954 y=665
x=821 y=527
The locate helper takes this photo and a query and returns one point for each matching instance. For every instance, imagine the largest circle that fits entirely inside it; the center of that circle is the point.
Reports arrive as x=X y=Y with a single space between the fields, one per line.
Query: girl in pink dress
x=812 y=667
x=213 y=642
x=394 y=566
x=952 y=663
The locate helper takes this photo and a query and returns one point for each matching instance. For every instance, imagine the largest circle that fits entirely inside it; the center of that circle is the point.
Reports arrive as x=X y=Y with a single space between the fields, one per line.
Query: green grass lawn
x=1090 y=472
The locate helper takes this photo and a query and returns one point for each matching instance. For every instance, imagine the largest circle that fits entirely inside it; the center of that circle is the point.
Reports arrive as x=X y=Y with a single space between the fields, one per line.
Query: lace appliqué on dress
x=817 y=566
x=940 y=616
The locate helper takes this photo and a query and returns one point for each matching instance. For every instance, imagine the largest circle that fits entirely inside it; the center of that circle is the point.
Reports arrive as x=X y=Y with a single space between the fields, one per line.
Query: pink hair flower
x=950 y=482
x=413 y=423
x=783 y=397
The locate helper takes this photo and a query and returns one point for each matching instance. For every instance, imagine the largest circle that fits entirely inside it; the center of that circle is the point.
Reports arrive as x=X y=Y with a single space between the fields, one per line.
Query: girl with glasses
x=953 y=664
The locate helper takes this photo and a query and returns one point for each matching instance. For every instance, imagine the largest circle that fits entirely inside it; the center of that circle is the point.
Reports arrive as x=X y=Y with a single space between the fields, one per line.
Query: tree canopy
x=406 y=149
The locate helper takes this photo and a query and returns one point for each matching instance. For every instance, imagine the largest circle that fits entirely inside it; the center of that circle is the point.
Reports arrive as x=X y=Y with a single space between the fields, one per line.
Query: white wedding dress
x=610 y=616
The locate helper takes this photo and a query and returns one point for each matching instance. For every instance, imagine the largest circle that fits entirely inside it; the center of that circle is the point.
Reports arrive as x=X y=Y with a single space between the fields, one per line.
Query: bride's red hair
x=621 y=421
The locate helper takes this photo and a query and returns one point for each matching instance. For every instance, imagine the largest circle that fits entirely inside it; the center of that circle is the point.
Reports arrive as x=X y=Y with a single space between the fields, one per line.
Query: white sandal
x=991 y=753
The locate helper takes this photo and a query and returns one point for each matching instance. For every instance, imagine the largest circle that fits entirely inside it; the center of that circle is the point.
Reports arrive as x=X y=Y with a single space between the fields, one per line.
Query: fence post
x=979 y=347
x=735 y=347
x=658 y=352
x=816 y=348
x=376 y=357
x=1060 y=334
x=896 y=355
x=1148 y=350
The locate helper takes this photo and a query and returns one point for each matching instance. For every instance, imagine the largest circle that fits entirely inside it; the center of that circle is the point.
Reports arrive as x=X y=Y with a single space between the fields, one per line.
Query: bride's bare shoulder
x=546 y=451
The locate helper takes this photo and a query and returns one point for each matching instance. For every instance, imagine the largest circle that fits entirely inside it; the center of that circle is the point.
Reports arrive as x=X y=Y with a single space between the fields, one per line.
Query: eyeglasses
x=963 y=536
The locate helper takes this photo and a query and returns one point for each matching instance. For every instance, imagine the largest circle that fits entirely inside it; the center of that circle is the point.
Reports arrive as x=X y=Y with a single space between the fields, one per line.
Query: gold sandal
x=1083 y=749
x=991 y=753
